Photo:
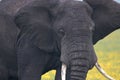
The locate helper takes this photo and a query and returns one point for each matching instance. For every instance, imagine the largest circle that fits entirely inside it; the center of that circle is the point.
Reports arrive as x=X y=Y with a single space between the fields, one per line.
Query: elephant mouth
x=64 y=69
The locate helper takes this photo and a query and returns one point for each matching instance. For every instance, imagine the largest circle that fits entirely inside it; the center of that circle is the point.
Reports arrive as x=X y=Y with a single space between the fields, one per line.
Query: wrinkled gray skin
x=67 y=32
x=98 y=32
x=106 y=16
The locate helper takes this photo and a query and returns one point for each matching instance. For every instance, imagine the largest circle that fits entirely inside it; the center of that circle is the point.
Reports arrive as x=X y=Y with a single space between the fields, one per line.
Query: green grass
x=108 y=53
x=110 y=43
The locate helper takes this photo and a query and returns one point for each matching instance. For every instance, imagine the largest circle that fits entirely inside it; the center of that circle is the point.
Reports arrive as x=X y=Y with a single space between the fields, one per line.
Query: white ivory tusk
x=63 y=71
x=103 y=72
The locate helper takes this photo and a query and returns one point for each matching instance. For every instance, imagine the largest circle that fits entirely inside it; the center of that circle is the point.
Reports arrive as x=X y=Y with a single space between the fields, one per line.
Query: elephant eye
x=61 y=31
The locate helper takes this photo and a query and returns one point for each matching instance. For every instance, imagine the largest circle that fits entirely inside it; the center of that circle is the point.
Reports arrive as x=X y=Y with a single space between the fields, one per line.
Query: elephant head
x=74 y=26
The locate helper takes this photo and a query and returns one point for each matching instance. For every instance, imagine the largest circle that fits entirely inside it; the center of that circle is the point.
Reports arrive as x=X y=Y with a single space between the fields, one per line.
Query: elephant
x=97 y=33
x=48 y=29
x=27 y=17
x=100 y=25
x=106 y=16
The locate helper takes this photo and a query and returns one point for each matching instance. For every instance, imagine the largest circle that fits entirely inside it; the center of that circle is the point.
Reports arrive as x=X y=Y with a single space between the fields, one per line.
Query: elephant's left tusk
x=63 y=71
x=103 y=72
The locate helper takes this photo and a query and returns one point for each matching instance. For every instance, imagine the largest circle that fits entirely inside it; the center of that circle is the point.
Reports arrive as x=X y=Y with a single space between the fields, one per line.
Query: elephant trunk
x=79 y=66
x=78 y=54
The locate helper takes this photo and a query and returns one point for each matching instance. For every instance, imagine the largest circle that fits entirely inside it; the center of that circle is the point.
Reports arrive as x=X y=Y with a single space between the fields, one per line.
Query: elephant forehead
x=0 y=0
x=118 y=1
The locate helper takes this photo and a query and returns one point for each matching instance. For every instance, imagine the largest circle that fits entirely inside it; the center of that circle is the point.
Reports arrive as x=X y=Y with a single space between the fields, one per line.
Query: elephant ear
x=34 y=11
x=35 y=21
x=106 y=18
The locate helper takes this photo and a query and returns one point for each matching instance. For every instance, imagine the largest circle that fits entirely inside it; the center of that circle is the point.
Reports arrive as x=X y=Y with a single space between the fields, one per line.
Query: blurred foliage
x=108 y=52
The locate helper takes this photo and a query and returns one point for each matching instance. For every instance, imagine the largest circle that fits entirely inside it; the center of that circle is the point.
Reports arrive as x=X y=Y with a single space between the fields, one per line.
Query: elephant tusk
x=103 y=72
x=63 y=71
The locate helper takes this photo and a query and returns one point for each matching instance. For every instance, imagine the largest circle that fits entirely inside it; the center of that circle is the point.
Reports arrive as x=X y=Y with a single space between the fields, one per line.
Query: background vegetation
x=108 y=52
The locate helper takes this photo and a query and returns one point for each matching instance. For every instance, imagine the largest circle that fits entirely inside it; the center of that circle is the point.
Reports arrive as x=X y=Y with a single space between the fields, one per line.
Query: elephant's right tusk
x=63 y=71
x=103 y=72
